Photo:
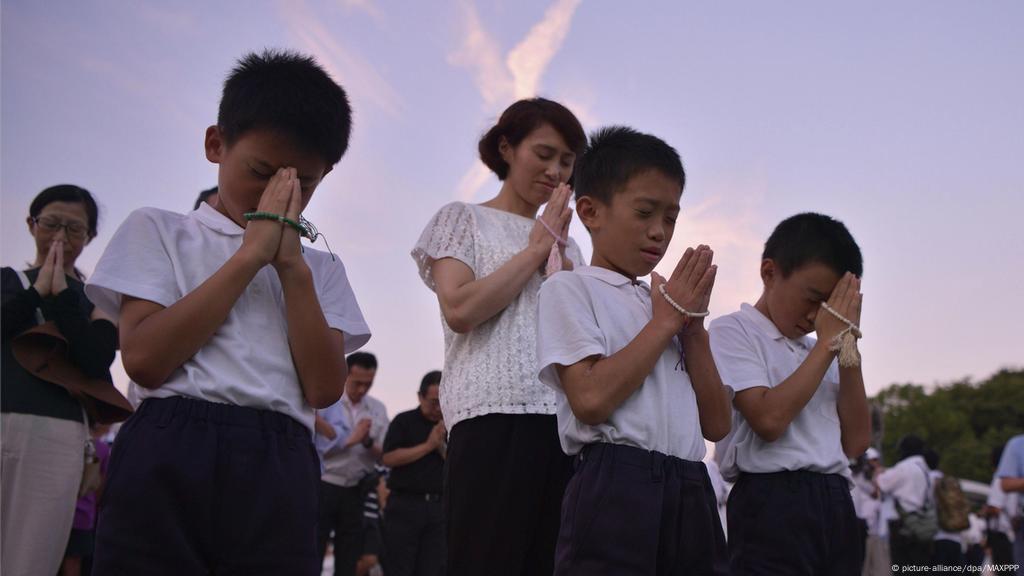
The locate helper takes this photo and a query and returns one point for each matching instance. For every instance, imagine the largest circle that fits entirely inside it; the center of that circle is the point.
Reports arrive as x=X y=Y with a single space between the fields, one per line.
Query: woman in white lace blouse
x=486 y=262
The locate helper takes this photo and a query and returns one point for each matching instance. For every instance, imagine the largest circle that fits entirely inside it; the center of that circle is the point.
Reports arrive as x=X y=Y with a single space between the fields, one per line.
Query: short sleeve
x=567 y=329
x=339 y=305
x=449 y=234
x=397 y=436
x=1011 y=464
x=738 y=362
x=135 y=263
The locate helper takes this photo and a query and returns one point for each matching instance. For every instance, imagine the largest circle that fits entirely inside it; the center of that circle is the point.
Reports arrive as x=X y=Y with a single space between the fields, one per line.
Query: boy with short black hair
x=638 y=391
x=216 y=471
x=800 y=416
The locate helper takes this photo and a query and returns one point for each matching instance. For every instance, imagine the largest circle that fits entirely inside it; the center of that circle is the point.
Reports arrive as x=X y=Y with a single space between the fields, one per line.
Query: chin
x=643 y=269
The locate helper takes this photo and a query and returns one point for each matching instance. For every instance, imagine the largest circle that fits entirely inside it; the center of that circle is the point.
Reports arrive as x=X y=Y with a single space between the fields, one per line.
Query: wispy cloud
x=369 y=7
x=518 y=74
x=480 y=52
x=356 y=74
x=530 y=58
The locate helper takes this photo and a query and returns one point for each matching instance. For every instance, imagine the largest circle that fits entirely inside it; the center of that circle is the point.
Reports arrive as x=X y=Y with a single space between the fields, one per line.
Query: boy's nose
x=813 y=314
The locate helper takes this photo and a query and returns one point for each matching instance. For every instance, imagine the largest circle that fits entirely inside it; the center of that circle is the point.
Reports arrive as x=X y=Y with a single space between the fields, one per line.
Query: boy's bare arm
x=318 y=351
x=769 y=411
x=854 y=416
x=595 y=387
x=467 y=301
x=713 y=408
x=713 y=405
x=155 y=340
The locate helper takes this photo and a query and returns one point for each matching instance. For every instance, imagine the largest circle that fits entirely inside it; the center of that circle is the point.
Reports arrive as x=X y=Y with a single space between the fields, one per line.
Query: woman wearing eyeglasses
x=44 y=433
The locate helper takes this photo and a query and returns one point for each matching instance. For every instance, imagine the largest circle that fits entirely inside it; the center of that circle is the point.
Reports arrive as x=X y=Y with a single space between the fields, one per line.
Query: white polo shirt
x=909 y=482
x=595 y=311
x=751 y=352
x=161 y=256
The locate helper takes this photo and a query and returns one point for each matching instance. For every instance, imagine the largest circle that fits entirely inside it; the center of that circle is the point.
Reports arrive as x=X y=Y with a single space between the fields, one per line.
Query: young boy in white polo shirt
x=800 y=417
x=637 y=389
x=232 y=334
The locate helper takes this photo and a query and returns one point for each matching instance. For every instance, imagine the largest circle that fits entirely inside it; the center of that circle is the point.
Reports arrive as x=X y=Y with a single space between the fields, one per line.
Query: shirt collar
x=209 y=216
x=609 y=276
x=768 y=328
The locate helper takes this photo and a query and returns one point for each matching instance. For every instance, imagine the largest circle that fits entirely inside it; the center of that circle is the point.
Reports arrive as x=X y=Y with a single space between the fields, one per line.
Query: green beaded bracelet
x=271 y=216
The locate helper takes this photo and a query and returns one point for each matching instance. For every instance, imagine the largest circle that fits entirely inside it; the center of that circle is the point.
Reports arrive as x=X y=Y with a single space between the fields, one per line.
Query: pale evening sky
x=904 y=120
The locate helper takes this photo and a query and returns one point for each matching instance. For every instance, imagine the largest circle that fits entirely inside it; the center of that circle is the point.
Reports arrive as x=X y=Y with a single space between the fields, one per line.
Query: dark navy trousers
x=198 y=488
x=794 y=523
x=631 y=512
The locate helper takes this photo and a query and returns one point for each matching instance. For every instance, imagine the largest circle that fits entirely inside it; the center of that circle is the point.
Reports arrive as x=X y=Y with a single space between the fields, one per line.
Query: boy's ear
x=214 y=144
x=588 y=209
x=768 y=271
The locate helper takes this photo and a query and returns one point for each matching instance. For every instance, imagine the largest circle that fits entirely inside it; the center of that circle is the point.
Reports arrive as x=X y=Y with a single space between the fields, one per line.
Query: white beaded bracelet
x=683 y=311
x=846 y=341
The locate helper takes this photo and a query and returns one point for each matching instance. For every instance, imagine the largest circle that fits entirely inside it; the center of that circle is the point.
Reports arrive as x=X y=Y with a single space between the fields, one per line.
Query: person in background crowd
x=414 y=449
x=44 y=427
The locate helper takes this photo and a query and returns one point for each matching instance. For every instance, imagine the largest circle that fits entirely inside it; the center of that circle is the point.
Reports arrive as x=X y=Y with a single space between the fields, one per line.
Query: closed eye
x=259 y=174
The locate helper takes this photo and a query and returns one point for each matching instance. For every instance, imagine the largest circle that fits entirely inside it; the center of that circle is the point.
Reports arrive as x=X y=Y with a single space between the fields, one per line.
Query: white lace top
x=493 y=368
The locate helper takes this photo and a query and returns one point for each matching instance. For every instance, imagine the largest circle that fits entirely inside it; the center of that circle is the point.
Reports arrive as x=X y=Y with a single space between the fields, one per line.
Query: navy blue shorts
x=631 y=512
x=796 y=523
x=198 y=488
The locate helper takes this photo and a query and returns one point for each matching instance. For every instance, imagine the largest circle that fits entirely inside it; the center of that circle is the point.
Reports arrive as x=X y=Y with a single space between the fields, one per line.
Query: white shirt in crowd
x=347 y=466
x=492 y=369
x=909 y=482
x=161 y=256
x=1008 y=504
x=751 y=352
x=597 y=312
x=865 y=503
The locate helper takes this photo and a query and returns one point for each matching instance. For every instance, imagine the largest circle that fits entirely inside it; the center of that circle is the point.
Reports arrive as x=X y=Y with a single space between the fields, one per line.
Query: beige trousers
x=41 y=470
x=876 y=557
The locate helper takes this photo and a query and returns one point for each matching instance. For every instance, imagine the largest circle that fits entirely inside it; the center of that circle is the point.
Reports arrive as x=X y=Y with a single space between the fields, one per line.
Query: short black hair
x=523 y=117
x=362 y=359
x=616 y=154
x=432 y=378
x=203 y=196
x=808 y=238
x=289 y=94
x=910 y=445
x=932 y=459
x=68 y=193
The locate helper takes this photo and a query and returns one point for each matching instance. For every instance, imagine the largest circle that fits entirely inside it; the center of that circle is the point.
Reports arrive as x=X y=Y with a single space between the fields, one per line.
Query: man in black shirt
x=414 y=449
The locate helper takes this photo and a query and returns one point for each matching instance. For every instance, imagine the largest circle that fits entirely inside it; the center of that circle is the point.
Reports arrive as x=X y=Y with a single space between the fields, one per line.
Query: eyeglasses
x=75 y=230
